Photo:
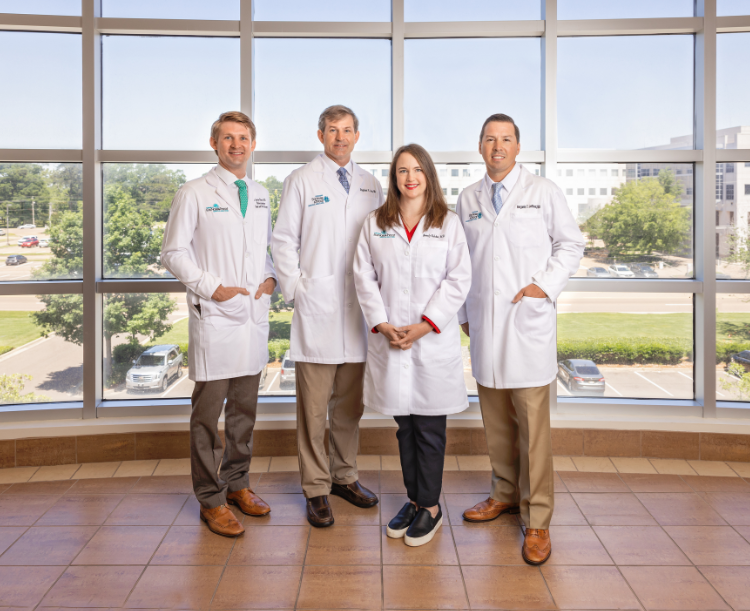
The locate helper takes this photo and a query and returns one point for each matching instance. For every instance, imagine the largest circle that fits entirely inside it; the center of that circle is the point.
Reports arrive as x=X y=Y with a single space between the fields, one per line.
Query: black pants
x=421 y=444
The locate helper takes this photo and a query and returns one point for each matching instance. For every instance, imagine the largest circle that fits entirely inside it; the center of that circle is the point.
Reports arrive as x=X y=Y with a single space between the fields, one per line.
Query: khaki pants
x=519 y=442
x=335 y=391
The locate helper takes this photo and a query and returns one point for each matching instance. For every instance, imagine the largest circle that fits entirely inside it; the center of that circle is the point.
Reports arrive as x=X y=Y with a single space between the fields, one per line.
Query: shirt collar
x=334 y=167
x=228 y=177
x=508 y=182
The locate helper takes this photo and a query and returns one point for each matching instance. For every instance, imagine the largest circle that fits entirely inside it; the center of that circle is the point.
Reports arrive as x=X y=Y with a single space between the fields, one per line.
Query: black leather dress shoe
x=423 y=528
x=356 y=494
x=398 y=526
x=319 y=512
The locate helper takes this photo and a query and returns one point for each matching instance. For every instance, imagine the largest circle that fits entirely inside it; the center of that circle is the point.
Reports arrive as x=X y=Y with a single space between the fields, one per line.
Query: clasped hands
x=404 y=337
x=225 y=293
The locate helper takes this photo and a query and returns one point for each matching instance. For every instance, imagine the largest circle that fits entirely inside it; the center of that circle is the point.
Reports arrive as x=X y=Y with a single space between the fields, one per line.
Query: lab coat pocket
x=260 y=308
x=535 y=319
x=431 y=258
x=316 y=296
x=527 y=231
x=442 y=346
x=225 y=314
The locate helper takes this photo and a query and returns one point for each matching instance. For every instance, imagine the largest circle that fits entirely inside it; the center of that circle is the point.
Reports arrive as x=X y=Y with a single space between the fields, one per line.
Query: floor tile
x=744 y=531
x=633 y=465
x=669 y=466
x=346 y=513
x=640 y=545
x=731 y=583
x=136 y=468
x=51 y=474
x=173 y=466
x=593 y=464
x=190 y=513
x=122 y=545
x=440 y=551
x=147 y=510
x=23 y=511
x=392 y=482
x=733 y=507
x=341 y=587
x=584 y=587
x=456 y=504
x=740 y=468
x=576 y=481
x=259 y=464
x=390 y=463
x=279 y=483
x=391 y=504
x=567 y=512
x=48 y=545
x=703 y=483
x=643 y=482
x=485 y=546
x=16 y=475
x=563 y=463
x=271 y=545
x=286 y=510
x=9 y=535
x=440 y=587
x=573 y=545
x=24 y=586
x=168 y=484
x=559 y=485
x=506 y=587
x=370 y=480
x=258 y=587
x=451 y=463
x=181 y=587
x=466 y=482
x=714 y=545
x=29 y=489
x=108 y=485
x=193 y=545
x=672 y=588
x=96 y=470
x=679 y=509
x=613 y=509
x=80 y=509
x=474 y=463
x=284 y=463
x=93 y=586
x=369 y=462
x=712 y=467
x=349 y=545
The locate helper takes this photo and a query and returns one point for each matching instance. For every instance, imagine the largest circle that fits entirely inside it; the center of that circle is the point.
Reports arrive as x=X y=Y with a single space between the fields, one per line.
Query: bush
x=663 y=351
x=724 y=350
x=276 y=349
x=123 y=356
x=4 y=349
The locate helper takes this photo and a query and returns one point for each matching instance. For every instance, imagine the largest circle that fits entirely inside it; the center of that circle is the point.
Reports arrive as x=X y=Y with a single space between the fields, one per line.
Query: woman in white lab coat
x=412 y=273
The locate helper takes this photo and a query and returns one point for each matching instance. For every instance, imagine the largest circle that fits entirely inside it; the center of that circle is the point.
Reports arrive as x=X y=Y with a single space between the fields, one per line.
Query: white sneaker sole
x=417 y=541
x=396 y=534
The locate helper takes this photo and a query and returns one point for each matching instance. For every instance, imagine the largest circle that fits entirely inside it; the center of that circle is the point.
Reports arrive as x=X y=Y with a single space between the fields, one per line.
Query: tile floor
x=627 y=534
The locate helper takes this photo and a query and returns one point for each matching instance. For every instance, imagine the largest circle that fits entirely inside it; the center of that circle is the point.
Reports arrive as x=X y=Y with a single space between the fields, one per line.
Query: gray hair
x=335 y=112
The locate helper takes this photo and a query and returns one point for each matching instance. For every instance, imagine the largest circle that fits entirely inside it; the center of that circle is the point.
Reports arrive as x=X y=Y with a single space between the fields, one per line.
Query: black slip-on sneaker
x=398 y=526
x=423 y=528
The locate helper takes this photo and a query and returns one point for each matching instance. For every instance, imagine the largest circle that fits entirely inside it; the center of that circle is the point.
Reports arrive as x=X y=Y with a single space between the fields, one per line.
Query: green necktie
x=243 y=195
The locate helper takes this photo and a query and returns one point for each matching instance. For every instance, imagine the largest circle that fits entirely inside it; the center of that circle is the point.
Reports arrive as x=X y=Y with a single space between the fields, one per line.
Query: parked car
x=263 y=375
x=26 y=238
x=2 y=231
x=29 y=242
x=741 y=358
x=28 y=226
x=155 y=369
x=597 y=272
x=43 y=243
x=15 y=260
x=581 y=376
x=641 y=270
x=620 y=271
x=288 y=379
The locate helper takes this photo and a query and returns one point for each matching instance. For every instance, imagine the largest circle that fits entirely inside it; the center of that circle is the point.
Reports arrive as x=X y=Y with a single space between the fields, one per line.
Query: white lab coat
x=399 y=283
x=208 y=243
x=534 y=239
x=313 y=250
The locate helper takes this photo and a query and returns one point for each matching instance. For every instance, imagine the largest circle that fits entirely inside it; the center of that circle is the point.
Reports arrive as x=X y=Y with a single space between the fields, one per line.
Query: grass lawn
x=177 y=335
x=17 y=329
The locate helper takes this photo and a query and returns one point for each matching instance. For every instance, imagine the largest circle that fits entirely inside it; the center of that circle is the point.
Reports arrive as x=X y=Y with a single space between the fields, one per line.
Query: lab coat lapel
x=222 y=192
x=418 y=232
x=485 y=202
x=356 y=179
x=330 y=177
x=516 y=195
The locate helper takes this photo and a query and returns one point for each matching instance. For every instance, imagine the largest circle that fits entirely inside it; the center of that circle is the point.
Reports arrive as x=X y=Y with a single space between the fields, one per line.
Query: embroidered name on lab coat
x=260 y=202
x=473 y=216
x=216 y=208
x=318 y=199
x=363 y=190
x=433 y=235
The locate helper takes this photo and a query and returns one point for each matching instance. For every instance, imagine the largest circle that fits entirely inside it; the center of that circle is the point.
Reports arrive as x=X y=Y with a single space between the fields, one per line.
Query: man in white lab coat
x=215 y=242
x=524 y=245
x=321 y=212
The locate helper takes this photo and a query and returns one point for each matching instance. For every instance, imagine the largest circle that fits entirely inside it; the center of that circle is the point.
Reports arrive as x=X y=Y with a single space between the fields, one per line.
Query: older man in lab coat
x=320 y=216
x=215 y=242
x=524 y=245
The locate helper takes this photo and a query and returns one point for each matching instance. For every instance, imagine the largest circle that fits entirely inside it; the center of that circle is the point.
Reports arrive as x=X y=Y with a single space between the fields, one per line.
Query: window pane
x=40 y=221
x=641 y=344
x=172 y=9
x=137 y=199
x=732 y=7
x=600 y=108
x=732 y=346
x=434 y=119
x=41 y=7
x=287 y=109
x=471 y=10
x=732 y=91
x=34 y=368
x=596 y=9
x=733 y=219
x=637 y=218
x=321 y=10
x=156 y=90
x=45 y=68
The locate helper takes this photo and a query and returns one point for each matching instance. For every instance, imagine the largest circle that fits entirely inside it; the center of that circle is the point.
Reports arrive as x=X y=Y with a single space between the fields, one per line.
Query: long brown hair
x=435 y=206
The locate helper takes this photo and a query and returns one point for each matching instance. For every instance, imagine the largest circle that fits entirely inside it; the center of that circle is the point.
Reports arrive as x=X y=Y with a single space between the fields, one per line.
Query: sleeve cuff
x=432 y=324
x=541 y=287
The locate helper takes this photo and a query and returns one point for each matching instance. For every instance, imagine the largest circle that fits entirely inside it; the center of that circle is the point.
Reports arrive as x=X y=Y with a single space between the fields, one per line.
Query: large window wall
x=638 y=111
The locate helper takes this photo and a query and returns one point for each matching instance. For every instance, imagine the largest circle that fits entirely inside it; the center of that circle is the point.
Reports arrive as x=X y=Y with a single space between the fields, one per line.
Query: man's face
x=339 y=139
x=234 y=146
x=499 y=147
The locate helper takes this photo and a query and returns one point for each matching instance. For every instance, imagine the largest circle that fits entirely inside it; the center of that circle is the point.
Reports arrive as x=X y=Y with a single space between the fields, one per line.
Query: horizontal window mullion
x=733 y=286
x=322 y=29
x=40 y=23
x=139 y=286
x=732 y=155
x=168 y=27
x=736 y=23
x=629 y=27
x=474 y=29
x=41 y=155
x=31 y=412
x=307 y=156
x=625 y=285
x=42 y=287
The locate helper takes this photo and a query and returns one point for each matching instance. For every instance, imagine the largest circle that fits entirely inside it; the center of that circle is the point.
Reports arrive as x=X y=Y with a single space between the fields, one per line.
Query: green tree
x=20 y=185
x=11 y=387
x=669 y=183
x=152 y=186
x=274 y=186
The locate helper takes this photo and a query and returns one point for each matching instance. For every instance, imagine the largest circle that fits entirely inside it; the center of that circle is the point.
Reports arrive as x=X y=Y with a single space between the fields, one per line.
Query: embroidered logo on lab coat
x=383 y=234
x=473 y=216
x=216 y=208
x=319 y=199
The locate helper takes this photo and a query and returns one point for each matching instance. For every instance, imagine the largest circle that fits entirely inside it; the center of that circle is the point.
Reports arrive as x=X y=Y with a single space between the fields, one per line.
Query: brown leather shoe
x=221 y=521
x=537 y=546
x=355 y=493
x=249 y=503
x=319 y=512
x=489 y=510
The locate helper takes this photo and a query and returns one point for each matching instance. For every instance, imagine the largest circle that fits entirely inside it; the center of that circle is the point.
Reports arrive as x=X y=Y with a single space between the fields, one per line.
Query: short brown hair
x=236 y=117
x=335 y=112
x=501 y=118
x=436 y=208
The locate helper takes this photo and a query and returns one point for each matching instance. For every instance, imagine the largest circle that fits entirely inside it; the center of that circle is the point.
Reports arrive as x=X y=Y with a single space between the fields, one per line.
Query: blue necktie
x=497 y=196
x=342 y=179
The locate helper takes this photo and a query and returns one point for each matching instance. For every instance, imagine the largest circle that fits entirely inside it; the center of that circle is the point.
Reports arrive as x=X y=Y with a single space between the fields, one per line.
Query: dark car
x=597 y=272
x=741 y=358
x=581 y=376
x=15 y=260
x=641 y=270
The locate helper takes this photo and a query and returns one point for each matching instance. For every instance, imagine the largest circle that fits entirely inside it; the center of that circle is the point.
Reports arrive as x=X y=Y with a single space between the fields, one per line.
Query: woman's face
x=411 y=181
